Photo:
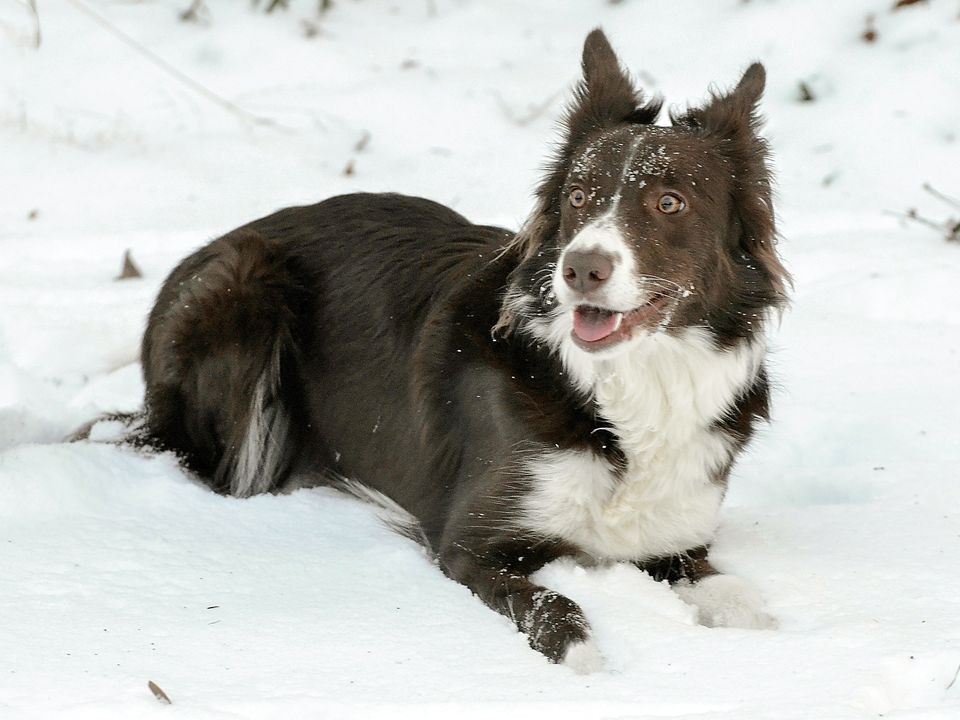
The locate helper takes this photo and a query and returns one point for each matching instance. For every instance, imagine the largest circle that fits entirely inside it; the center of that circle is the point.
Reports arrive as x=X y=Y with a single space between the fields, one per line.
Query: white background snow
x=116 y=568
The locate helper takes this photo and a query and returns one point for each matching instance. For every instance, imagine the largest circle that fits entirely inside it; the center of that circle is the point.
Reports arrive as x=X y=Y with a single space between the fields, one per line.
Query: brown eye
x=670 y=204
x=578 y=198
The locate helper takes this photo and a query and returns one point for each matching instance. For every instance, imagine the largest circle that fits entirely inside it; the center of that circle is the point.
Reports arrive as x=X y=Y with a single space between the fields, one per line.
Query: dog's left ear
x=733 y=120
x=734 y=113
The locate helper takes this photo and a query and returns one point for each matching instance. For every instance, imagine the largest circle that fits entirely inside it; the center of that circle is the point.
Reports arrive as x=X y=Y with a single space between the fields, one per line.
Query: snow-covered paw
x=726 y=601
x=583 y=657
x=556 y=627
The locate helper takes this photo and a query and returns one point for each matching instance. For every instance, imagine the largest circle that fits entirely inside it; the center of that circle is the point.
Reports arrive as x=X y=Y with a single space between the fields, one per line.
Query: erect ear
x=733 y=121
x=733 y=113
x=605 y=96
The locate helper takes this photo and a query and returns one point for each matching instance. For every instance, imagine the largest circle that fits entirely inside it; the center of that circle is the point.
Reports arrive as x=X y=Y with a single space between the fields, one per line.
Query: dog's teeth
x=619 y=320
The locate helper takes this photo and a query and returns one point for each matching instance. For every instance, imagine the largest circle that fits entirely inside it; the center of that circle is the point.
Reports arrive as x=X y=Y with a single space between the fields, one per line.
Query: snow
x=119 y=569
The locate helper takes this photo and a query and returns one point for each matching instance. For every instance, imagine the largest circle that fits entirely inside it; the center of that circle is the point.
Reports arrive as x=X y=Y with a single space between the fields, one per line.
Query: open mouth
x=595 y=328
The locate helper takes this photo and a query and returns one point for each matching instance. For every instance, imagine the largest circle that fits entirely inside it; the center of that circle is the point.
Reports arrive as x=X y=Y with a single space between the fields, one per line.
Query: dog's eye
x=578 y=198
x=670 y=204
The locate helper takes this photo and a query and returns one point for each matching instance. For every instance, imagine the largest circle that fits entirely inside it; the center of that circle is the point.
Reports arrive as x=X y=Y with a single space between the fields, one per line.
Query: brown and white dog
x=581 y=387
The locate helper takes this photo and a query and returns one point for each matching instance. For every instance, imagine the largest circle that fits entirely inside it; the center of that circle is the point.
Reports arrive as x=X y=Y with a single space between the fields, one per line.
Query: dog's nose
x=586 y=271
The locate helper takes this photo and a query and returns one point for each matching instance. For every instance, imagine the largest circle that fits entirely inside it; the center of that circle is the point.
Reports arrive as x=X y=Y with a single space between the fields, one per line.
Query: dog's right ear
x=605 y=96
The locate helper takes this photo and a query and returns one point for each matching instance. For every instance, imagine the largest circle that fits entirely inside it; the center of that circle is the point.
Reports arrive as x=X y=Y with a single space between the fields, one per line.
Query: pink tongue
x=591 y=325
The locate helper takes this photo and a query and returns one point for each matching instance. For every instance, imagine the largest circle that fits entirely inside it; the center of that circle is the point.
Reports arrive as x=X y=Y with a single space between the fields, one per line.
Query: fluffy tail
x=219 y=361
x=258 y=453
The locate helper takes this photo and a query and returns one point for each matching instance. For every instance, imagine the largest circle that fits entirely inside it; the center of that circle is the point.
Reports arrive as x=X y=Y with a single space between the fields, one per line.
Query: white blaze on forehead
x=626 y=172
x=585 y=166
x=642 y=157
x=604 y=235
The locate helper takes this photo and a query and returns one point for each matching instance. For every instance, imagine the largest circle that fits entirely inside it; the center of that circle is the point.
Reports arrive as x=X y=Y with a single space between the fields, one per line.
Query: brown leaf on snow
x=158 y=693
x=130 y=269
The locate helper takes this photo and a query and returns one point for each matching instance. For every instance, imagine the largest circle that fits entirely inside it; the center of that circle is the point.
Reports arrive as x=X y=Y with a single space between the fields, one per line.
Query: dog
x=578 y=388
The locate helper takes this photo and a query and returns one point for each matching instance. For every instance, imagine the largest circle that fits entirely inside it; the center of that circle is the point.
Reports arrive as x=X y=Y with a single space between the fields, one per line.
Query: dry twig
x=197 y=12
x=942 y=196
x=362 y=142
x=950 y=229
x=533 y=112
x=32 y=5
x=955 y=674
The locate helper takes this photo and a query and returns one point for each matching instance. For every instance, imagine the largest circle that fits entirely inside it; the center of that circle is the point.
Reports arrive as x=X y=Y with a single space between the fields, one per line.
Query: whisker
x=657 y=278
x=666 y=286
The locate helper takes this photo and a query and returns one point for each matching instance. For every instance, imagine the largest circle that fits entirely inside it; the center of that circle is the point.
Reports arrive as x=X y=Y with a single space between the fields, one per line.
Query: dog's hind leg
x=125 y=428
x=218 y=349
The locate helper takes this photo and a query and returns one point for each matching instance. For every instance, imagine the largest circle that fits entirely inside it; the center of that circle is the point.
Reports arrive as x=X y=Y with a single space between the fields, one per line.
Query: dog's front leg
x=553 y=623
x=721 y=600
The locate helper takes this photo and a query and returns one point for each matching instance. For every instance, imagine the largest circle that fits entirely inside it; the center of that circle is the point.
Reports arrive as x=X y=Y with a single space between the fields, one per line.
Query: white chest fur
x=662 y=398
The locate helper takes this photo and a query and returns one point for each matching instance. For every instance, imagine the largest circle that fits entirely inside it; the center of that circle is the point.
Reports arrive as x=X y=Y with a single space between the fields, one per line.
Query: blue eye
x=578 y=198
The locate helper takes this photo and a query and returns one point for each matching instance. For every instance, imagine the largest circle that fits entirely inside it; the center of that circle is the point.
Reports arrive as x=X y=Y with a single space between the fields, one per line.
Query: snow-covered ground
x=116 y=569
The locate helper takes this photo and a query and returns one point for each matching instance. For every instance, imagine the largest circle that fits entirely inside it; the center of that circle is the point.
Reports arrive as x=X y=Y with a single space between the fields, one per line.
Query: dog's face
x=643 y=229
x=645 y=215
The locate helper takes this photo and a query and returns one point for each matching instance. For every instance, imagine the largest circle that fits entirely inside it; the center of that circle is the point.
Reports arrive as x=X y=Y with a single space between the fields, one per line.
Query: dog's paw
x=726 y=601
x=583 y=657
x=556 y=627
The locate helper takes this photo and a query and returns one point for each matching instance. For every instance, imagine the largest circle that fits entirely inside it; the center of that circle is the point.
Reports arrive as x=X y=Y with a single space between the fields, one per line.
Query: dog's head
x=641 y=229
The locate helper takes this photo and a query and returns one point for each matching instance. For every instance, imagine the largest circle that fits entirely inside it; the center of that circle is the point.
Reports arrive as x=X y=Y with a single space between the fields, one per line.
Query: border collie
x=578 y=388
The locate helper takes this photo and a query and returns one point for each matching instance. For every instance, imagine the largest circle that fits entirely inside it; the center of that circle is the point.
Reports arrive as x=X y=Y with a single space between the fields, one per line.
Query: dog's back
x=290 y=343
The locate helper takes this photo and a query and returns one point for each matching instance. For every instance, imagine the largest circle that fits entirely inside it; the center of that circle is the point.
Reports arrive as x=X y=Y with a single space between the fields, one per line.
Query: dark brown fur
x=352 y=338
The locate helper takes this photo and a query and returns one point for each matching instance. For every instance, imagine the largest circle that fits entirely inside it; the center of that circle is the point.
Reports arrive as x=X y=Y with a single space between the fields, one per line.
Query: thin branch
x=950 y=229
x=274 y=4
x=195 y=12
x=170 y=69
x=32 y=4
x=362 y=143
x=954 y=677
x=912 y=214
x=942 y=196
x=533 y=113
